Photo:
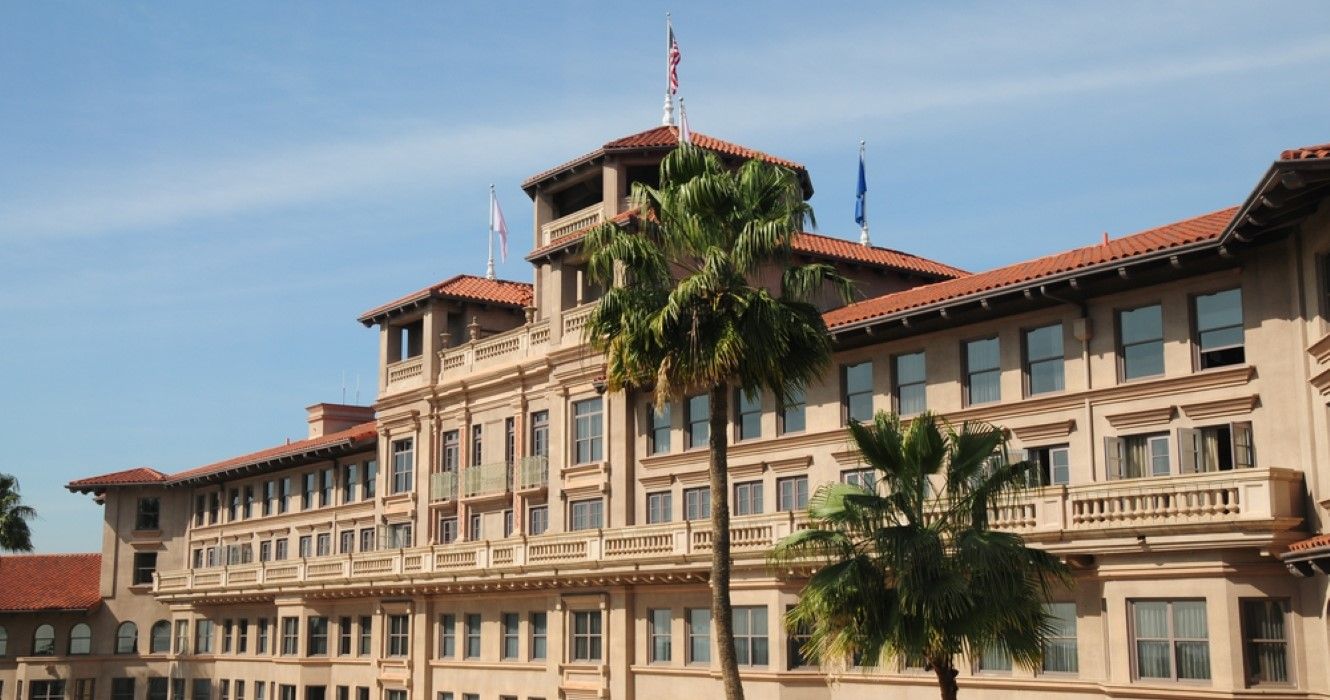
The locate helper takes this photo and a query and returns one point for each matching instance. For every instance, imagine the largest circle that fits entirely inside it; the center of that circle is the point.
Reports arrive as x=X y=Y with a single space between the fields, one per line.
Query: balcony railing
x=399 y=372
x=497 y=350
x=487 y=480
x=533 y=473
x=574 y=320
x=443 y=486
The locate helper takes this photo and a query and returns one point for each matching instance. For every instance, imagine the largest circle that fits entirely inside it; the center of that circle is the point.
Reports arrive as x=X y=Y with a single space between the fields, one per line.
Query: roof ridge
x=12 y=555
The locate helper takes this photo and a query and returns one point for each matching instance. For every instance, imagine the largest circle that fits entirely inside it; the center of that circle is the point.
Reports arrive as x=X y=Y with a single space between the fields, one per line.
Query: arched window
x=4 y=641
x=127 y=638
x=159 y=639
x=43 y=641
x=80 y=639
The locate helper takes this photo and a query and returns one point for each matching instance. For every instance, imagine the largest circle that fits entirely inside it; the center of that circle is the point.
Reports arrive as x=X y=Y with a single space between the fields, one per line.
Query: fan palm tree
x=703 y=298
x=14 y=516
x=907 y=571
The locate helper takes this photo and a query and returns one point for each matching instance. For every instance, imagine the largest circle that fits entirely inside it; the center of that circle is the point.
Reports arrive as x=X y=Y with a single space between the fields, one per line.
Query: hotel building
x=498 y=526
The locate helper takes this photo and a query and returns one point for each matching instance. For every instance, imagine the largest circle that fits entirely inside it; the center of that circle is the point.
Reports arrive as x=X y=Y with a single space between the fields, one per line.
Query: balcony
x=443 y=486
x=533 y=473
x=496 y=351
x=494 y=479
x=408 y=371
x=579 y=220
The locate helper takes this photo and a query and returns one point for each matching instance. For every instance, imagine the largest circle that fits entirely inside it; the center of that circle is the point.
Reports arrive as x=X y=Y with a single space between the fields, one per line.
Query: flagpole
x=668 y=118
x=863 y=225
x=489 y=267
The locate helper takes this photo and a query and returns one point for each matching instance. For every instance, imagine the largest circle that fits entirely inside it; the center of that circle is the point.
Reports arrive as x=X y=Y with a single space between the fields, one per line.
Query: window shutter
x=1189 y=457
x=1244 y=452
x=1113 y=457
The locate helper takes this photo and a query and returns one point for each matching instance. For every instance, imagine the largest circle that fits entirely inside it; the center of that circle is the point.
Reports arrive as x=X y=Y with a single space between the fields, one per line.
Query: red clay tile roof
x=664 y=137
x=128 y=477
x=1307 y=153
x=1198 y=229
x=50 y=582
x=466 y=287
x=1310 y=543
x=348 y=437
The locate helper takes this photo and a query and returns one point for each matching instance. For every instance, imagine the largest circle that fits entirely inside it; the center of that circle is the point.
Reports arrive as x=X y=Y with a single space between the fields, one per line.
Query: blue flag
x=859 y=203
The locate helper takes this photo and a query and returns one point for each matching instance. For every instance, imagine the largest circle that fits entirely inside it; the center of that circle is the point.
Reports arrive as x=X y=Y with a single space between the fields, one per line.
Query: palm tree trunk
x=946 y=680
x=722 y=614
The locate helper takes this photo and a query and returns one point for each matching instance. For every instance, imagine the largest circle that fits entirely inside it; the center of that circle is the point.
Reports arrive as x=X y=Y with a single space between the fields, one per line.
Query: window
x=159 y=637
x=280 y=550
x=307 y=496
x=792 y=411
x=697 y=503
x=1043 y=360
x=586 y=514
x=794 y=645
x=366 y=635
x=792 y=493
x=214 y=505
x=261 y=639
x=290 y=636
x=538 y=635
x=447 y=529
x=587 y=431
x=508 y=523
x=1051 y=465
x=983 y=376
x=284 y=495
x=324 y=544
x=305 y=546
x=157 y=688
x=399 y=635
x=659 y=621
x=586 y=640
x=242 y=636
x=540 y=433
x=269 y=496
x=228 y=635
x=473 y=527
x=699 y=636
x=750 y=414
x=856 y=382
x=477 y=444
x=538 y=520
x=80 y=639
x=748 y=498
x=201 y=689
x=1265 y=641
x=658 y=429
x=148 y=514
x=1141 y=342
x=1218 y=340
x=995 y=657
x=698 y=409
x=366 y=539
x=472 y=632
x=82 y=688
x=1060 y=655
x=145 y=565
x=52 y=690
x=248 y=504
x=371 y=478
x=750 y=635
x=181 y=636
x=1215 y=448
x=399 y=535
x=452 y=454
x=447 y=636
x=347 y=543
x=509 y=440
x=1137 y=456
x=404 y=464
x=203 y=637
x=233 y=505
x=224 y=689
x=326 y=488
x=286 y=692
x=660 y=508
x=127 y=638
x=863 y=478
x=122 y=689
x=510 y=636
x=240 y=690
x=395 y=694
x=259 y=690
x=316 y=636
x=350 y=483
x=910 y=383
x=1171 y=639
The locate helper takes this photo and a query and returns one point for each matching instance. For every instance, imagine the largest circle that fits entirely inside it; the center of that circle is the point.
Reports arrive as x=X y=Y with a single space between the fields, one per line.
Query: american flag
x=674 y=63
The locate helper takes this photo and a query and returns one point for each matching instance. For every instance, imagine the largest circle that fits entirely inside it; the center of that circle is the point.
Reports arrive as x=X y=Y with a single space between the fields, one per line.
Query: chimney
x=325 y=418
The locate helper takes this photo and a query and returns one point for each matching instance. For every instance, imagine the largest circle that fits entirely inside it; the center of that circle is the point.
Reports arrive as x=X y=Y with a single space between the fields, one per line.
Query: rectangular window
x=350 y=483
x=347 y=543
x=586 y=636
x=586 y=514
x=240 y=690
x=233 y=506
x=795 y=639
x=395 y=694
x=344 y=636
x=983 y=375
x=910 y=383
x=366 y=635
x=538 y=520
x=750 y=635
x=511 y=638
x=863 y=478
x=508 y=523
x=203 y=637
x=404 y=464
x=792 y=411
x=261 y=639
x=326 y=488
x=1215 y=448
x=145 y=565
x=223 y=689
x=1043 y=360
x=697 y=503
x=540 y=434
x=660 y=508
x=200 y=508
x=265 y=550
x=698 y=410
x=148 y=514
x=588 y=429
x=749 y=414
x=1219 y=338
x=123 y=689
x=286 y=692
x=509 y=440
x=317 y=632
x=748 y=498
x=856 y=383
x=157 y=688
x=447 y=529
x=539 y=634
x=477 y=444
x=1265 y=640
x=995 y=658
x=1051 y=465
x=1170 y=639
x=247 y=506
x=472 y=632
x=1137 y=456
x=284 y=495
x=201 y=689
x=659 y=632
x=658 y=428
x=792 y=493
x=366 y=539
x=452 y=451
x=399 y=635
x=473 y=528
x=83 y=688
x=305 y=546
x=699 y=636
x=447 y=636
x=1060 y=650
x=281 y=549
x=214 y=505
x=228 y=635
x=1141 y=342
x=323 y=544
x=269 y=497
x=242 y=636
x=308 y=496
x=371 y=478
x=399 y=535
x=290 y=636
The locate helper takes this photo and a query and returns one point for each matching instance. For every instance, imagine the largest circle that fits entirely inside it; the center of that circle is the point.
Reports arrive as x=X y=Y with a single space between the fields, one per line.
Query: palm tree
x=908 y=571
x=703 y=298
x=14 y=517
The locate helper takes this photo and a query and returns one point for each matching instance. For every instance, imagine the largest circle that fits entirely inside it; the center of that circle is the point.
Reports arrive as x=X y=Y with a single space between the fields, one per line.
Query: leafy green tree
x=703 y=298
x=14 y=516
x=908 y=567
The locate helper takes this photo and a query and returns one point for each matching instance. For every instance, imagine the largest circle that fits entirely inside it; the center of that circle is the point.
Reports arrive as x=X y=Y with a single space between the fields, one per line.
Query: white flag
x=499 y=226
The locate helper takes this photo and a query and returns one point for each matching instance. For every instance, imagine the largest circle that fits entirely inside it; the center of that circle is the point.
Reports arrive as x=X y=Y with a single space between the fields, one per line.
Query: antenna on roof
x=343 y=387
x=357 y=388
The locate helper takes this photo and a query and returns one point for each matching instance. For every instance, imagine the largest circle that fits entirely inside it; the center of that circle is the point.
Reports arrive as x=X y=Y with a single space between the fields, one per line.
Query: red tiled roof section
x=50 y=582
x=841 y=249
x=1310 y=543
x=127 y=477
x=1307 y=153
x=1194 y=230
x=356 y=433
x=469 y=287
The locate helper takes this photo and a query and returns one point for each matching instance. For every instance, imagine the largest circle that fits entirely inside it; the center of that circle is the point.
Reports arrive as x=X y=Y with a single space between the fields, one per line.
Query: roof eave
x=336 y=449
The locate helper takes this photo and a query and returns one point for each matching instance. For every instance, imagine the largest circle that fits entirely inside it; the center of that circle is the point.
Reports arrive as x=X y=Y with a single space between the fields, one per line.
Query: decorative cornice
x=1140 y=419
x=792 y=464
x=1320 y=349
x=746 y=470
x=848 y=458
x=1321 y=382
x=1044 y=431
x=1239 y=406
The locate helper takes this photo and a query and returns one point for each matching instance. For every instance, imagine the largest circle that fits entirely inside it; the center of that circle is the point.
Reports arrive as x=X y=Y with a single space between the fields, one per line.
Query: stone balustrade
x=406 y=371
x=572 y=223
x=524 y=342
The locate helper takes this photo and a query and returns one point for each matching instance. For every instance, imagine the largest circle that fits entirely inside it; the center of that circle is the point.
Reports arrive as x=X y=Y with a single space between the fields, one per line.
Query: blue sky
x=196 y=199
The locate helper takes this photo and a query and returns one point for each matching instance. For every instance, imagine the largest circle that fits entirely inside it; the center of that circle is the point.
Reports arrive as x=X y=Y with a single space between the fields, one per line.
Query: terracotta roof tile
x=1201 y=228
x=1307 y=152
x=136 y=476
x=1310 y=543
x=50 y=582
x=354 y=434
x=466 y=287
x=841 y=249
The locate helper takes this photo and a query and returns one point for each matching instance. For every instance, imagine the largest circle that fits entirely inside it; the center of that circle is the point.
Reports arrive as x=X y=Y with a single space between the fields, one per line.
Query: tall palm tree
x=909 y=571
x=703 y=298
x=14 y=517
